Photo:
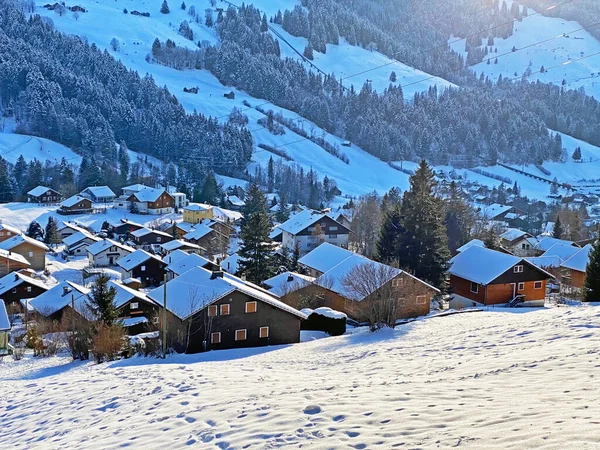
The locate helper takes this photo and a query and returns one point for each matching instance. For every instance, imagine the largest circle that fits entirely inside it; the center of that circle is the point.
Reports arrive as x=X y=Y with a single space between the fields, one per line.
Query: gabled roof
x=231 y=264
x=198 y=207
x=512 y=234
x=100 y=246
x=100 y=191
x=15 y=241
x=494 y=210
x=325 y=257
x=40 y=190
x=579 y=260
x=563 y=251
x=198 y=232
x=126 y=294
x=545 y=243
x=14 y=279
x=177 y=244
x=545 y=262
x=73 y=226
x=476 y=242
x=287 y=282
x=60 y=296
x=149 y=194
x=303 y=220
x=174 y=256
x=134 y=259
x=72 y=201
x=13 y=257
x=275 y=232
x=182 y=265
x=4 y=322
x=13 y=230
x=197 y=288
x=146 y=231
x=236 y=201
x=135 y=187
x=482 y=265
x=78 y=237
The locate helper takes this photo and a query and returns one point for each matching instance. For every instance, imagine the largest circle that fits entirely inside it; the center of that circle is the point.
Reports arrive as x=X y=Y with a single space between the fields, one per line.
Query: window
x=240 y=335
x=333 y=228
x=215 y=338
x=401 y=302
x=1 y=233
x=212 y=311
x=28 y=288
x=521 y=287
x=224 y=310
x=263 y=332
x=474 y=288
x=421 y=299
x=518 y=269
x=538 y=285
x=398 y=282
x=31 y=254
x=134 y=305
x=333 y=236
x=155 y=319
x=143 y=268
x=158 y=238
x=250 y=307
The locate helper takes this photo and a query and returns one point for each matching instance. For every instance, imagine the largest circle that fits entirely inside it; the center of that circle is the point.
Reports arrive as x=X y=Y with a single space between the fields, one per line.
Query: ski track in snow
x=503 y=380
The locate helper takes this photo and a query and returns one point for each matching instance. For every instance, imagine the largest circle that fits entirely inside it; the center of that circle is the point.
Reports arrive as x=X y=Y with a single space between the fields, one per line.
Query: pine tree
x=422 y=242
x=124 y=161
x=558 y=231
x=210 y=190
x=35 y=231
x=270 y=175
x=183 y=6
x=165 y=7
x=52 y=236
x=393 y=77
x=459 y=220
x=491 y=241
x=284 y=211
x=133 y=207
x=577 y=154
x=256 y=254
x=592 y=275
x=308 y=52
x=101 y=300
x=264 y=25
x=554 y=187
x=295 y=257
x=387 y=244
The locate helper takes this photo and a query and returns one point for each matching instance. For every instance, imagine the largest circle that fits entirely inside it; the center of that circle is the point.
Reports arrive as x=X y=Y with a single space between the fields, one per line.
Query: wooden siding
x=152 y=276
x=326 y=226
x=12 y=299
x=7 y=266
x=495 y=294
x=5 y=234
x=37 y=258
x=153 y=238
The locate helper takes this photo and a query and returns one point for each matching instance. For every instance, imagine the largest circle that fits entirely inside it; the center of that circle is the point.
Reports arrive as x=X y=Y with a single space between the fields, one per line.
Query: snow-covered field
x=501 y=380
x=14 y=145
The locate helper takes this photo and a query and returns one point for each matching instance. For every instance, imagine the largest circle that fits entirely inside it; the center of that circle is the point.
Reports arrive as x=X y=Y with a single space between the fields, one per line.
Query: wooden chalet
x=11 y=262
x=44 y=195
x=64 y=298
x=302 y=230
x=99 y=194
x=75 y=205
x=135 y=310
x=146 y=237
x=480 y=276
x=147 y=268
x=518 y=242
x=221 y=311
x=6 y=232
x=107 y=252
x=32 y=250
x=182 y=264
x=4 y=330
x=78 y=243
x=67 y=228
x=125 y=227
x=152 y=201
x=18 y=286
x=573 y=271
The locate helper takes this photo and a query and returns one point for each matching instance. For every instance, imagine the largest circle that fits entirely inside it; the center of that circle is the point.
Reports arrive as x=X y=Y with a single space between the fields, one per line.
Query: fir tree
x=264 y=25
x=101 y=300
x=52 y=236
x=270 y=175
x=35 y=231
x=183 y=6
x=491 y=241
x=165 y=7
x=284 y=212
x=577 y=154
x=558 y=232
x=387 y=244
x=393 y=77
x=133 y=207
x=295 y=257
x=422 y=241
x=592 y=275
x=459 y=220
x=308 y=52
x=210 y=190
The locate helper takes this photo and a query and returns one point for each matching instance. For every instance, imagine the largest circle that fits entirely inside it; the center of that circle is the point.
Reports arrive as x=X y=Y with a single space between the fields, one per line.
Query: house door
x=513 y=286
x=111 y=260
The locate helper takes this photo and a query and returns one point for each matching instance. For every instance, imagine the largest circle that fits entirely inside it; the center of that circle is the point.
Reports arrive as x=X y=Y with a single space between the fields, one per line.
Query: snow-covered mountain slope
x=483 y=380
x=14 y=145
x=564 y=50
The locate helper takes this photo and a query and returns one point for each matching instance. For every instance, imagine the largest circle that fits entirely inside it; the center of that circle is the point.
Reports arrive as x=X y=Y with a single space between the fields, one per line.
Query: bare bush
x=108 y=342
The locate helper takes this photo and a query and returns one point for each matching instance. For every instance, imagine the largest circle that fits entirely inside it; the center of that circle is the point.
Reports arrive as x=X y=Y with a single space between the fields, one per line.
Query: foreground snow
x=479 y=380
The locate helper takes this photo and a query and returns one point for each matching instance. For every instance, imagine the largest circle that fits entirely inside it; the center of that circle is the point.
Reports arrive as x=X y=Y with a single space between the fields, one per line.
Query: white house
x=308 y=229
x=107 y=252
x=99 y=194
x=78 y=243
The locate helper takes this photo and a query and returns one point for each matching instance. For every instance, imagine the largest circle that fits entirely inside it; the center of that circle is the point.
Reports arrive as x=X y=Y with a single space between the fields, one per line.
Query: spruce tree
x=592 y=275
x=558 y=232
x=165 y=7
x=387 y=244
x=459 y=220
x=210 y=190
x=101 y=300
x=256 y=253
x=35 y=231
x=491 y=241
x=422 y=241
x=295 y=257
x=52 y=236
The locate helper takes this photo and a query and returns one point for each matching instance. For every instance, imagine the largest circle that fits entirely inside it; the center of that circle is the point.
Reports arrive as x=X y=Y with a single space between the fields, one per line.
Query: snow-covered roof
x=325 y=257
x=476 y=242
x=236 y=201
x=197 y=288
x=132 y=321
x=13 y=257
x=76 y=238
x=135 y=259
x=125 y=294
x=13 y=230
x=545 y=262
x=326 y=312
x=186 y=263
x=579 y=260
x=59 y=296
x=198 y=232
x=287 y=282
x=547 y=242
x=135 y=187
x=275 y=232
x=482 y=265
x=231 y=264
x=72 y=201
x=175 y=256
x=40 y=190
x=14 y=279
x=100 y=246
x=15 y=241
x=494 y=210
x=149 y=194
x=100 y=191
x=146 y=231
x=301 y=221
x=73 y=226
x=512 y=234
x=185 y=226
x=198 y=207
x=563 y=251
x=226 y=214
x=4 y=322
x=177 y=244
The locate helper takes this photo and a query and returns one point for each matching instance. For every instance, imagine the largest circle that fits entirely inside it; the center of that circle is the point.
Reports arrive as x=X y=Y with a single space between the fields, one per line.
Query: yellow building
x=197 y=212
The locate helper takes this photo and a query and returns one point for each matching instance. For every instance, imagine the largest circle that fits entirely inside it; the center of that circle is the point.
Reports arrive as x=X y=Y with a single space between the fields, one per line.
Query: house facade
x=12 y=262
x=107 y=252
x=32 y=250
x=99 y=194
x=6 y=232
x=480 y=276
x=573 y=271
x=44 y=195
x=197 y=212
x=77 y=244
x=309 y=229
x=518 y=242
x=18 y=286
x=147 y=237
x=75 y=205
x=137 y=312
x=147 y=268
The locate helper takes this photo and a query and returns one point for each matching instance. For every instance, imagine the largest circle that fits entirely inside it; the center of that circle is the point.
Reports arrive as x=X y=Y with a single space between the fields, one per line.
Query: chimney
x=216 y=274
x=290 y=278
x=66 y=290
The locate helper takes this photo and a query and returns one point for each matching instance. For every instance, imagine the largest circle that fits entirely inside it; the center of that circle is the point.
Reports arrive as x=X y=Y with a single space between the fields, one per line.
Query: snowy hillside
x=480 y=380
x=14 y=145
x=564 y=48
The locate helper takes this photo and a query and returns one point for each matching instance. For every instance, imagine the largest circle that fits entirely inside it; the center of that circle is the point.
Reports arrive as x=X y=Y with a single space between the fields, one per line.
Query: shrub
x=108 y=342
x=18 y=352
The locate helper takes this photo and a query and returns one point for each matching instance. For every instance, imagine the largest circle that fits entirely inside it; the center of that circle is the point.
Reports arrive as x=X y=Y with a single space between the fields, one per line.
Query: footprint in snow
x=312 y=409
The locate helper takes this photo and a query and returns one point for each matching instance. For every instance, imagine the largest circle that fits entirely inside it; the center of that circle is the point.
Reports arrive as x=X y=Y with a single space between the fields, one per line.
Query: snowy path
x=483 y=380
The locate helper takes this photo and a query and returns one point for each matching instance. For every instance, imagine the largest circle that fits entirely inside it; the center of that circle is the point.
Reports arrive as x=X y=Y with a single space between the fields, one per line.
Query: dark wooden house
x=75 y=205
x=17 y=286
x=137 y=312
x=147 y=268
x=146 y=237
x=44 y=195
x=64 y=298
